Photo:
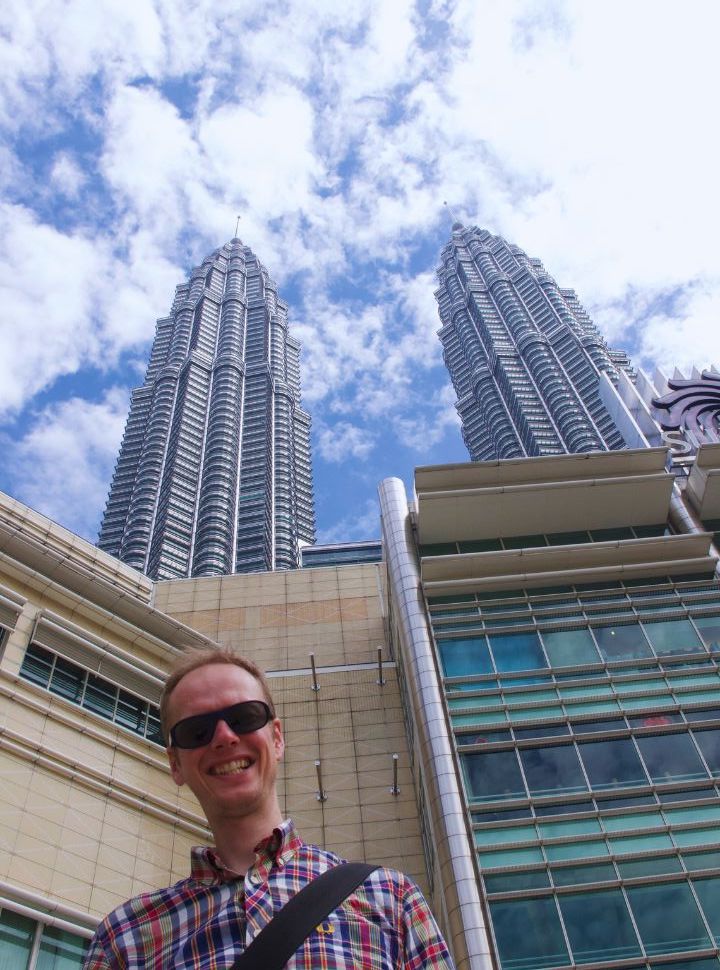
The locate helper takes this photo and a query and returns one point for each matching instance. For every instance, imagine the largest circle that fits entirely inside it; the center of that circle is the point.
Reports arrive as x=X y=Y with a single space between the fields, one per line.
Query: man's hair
x=192 y=659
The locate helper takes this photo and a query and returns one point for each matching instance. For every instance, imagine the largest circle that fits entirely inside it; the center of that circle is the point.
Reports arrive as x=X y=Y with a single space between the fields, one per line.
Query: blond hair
x=192 y=659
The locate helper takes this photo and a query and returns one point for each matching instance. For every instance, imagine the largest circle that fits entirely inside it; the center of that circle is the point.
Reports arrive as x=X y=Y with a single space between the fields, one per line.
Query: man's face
x=233 y=775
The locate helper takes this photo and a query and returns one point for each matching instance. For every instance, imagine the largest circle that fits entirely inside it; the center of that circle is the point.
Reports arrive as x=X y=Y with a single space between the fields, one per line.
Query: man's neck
x=236 y=838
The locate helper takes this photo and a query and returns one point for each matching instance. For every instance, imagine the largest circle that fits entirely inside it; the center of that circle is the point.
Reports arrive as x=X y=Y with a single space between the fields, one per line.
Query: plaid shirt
x=206 y=921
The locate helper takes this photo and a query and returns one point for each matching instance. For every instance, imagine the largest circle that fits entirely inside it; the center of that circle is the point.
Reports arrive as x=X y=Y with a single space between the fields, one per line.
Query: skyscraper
x=524 y=357
x=214 y=473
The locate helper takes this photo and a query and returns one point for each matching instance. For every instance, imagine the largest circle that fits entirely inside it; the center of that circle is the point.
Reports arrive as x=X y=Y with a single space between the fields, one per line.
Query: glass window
x=693 y=813
x=523 y=542
x=576 y=850
x=673 y=636
x=592 y=690
x=568 y=827
x=542 y=731
x=709 y=744
x=486 y=737
x=480 y=545
x=504 y=815
x=709 y=627
x=599 y=926
x=565 y=648
x=517 y=651
x=153 y=731
x=599 y=727
x=528 y=933
x=100 y=697
x=131 y=712
x=706 y=714
x=622 y=642
x=510 y=857
x=611 y=535
x=612 y=764
x=567 y=538
x=572 y=875
x=649 y=867
x=60 y=950
x=500 y=836
x=576 y=709
x=552 y=769
x=709 y=963
x=517 y=714
x=564 y=808
x=667 y=917
x=67 y=680
x=638 y=820
x=632 y=844
x=629 y=801
x=687 y=794
x=493 y=775
x=671 y=757
x=702 y=860
x=37 y=665
x=529 y=696
x=465 y=657
x=16 y=936
x=655 y=720
x=516 y=881
x=707 y=836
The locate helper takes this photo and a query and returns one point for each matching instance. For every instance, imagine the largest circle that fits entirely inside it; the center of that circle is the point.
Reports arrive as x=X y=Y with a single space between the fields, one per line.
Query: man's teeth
x=231 y=767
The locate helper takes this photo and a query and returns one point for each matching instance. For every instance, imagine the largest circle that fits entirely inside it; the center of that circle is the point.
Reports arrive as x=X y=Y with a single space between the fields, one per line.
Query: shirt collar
x=276 y=850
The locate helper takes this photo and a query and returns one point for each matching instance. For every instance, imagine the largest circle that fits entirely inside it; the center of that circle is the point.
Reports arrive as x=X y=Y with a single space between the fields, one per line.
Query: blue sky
x=134 y=131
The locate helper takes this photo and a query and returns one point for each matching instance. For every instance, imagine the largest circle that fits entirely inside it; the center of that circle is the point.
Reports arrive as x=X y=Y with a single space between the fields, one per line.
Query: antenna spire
x=456 y=224
x=237 y=224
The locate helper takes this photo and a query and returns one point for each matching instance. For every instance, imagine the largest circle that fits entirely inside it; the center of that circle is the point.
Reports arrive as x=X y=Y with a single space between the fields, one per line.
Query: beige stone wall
x=351 y=725
x=89 y=813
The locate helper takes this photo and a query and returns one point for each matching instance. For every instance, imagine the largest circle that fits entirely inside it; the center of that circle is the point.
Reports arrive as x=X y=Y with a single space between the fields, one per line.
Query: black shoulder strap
x=289 y=928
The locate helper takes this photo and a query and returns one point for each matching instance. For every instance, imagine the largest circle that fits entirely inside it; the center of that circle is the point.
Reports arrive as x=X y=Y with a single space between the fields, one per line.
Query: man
x=225 y=743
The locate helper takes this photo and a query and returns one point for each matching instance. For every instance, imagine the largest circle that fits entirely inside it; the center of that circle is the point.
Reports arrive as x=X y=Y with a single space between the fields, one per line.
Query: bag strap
x=290 y=927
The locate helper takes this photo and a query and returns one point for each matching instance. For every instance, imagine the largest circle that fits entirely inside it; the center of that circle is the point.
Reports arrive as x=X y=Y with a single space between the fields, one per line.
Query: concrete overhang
x=703 y=486
x=527 y=496
x=560 y=565
x=508 y=471
x=44 y=554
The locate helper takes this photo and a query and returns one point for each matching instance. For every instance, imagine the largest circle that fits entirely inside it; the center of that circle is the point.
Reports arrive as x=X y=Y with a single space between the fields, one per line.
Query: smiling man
x=225 y=743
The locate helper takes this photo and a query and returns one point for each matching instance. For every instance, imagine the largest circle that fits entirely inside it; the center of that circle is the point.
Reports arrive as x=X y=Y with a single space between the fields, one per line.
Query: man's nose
x=224 y=734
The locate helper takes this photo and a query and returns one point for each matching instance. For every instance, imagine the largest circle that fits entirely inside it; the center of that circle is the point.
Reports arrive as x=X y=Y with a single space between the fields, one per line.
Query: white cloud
x=150 y=160
x=688 y=338
x=343 y=441
x=429 y=425
x=337 y=136
x=362 y=523
x=63 y=465
x=262 y=153
x=66 y=175
x=48 y=296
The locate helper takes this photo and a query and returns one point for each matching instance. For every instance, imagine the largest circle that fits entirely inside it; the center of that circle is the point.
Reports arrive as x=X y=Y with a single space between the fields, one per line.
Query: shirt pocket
x=347 y=941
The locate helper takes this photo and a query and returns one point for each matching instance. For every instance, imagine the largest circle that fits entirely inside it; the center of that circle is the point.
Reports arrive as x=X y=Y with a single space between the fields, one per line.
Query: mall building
x=519 y=706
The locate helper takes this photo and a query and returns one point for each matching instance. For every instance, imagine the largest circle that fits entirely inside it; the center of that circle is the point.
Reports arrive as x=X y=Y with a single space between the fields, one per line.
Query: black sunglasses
x=198 y=730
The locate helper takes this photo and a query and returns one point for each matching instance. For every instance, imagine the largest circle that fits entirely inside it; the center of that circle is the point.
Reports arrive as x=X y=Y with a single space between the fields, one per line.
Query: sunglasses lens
x=197 y=731
x=247 y=717
x=194 y=732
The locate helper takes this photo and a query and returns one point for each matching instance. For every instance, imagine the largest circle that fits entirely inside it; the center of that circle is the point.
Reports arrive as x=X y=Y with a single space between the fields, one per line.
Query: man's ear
x=175 y=769
x=278 y=739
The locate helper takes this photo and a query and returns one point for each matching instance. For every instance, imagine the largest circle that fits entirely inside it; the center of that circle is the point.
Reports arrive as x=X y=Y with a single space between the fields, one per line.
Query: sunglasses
x=198 y=730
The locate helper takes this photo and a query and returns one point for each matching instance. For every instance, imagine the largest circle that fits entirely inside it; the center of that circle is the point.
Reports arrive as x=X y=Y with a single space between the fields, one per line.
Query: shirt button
x=255 y=878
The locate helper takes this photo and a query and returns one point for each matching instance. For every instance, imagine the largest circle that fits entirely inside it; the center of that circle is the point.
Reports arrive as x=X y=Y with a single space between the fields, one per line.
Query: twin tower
x=214 y=474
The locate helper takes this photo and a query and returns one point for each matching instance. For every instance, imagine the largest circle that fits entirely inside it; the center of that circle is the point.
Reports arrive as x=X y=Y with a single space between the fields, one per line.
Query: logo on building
x=689 y=414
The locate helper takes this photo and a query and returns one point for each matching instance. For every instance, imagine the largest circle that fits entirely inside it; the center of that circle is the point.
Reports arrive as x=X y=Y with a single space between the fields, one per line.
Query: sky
x=134 y=132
